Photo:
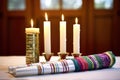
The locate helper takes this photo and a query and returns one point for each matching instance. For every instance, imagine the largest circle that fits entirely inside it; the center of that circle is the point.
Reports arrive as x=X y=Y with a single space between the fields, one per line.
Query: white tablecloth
x=102 y=74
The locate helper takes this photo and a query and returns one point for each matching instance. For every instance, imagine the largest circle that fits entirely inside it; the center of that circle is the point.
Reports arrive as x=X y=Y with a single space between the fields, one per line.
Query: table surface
x=101 y=74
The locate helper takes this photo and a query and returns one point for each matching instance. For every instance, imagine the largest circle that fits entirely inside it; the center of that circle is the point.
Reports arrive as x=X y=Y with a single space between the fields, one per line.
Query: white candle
x=76 y=37
x=47 y=35
x=63 y=35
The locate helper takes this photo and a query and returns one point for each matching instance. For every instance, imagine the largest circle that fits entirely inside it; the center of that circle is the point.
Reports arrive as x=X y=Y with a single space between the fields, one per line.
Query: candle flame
x=76 y=20
x=46 y=16
x=62 y=17
x=32 y=23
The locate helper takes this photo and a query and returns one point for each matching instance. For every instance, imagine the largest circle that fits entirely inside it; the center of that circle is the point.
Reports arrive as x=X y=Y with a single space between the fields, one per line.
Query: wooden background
x=99 y=28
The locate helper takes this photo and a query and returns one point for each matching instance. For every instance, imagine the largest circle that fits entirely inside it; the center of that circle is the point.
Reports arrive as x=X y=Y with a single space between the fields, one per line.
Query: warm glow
x=76 y=20
x=32 y=23
x=46 y=17
x=48 y=3
x=62 y=17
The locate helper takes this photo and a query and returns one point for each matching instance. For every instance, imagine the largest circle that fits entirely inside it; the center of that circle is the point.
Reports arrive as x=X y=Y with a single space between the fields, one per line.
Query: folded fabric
x=81 y=63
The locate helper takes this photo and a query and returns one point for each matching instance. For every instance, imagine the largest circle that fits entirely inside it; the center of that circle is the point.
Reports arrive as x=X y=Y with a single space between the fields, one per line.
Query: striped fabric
x=77 y=64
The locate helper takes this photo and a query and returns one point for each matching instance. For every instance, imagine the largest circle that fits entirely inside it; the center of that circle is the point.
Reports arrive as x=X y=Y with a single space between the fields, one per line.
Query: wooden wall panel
x=55 y=34
x=1 y=34
x=1 y=28
x=16 y=35
x=116 y=37
x=102 y=33
x=99 y=28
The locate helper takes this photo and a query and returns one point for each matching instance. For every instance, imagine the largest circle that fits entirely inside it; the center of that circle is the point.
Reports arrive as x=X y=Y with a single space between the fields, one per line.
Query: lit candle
x=76 y=37
x=32 y=30
x=47 y=35
x=32 y=44
x=62 y=35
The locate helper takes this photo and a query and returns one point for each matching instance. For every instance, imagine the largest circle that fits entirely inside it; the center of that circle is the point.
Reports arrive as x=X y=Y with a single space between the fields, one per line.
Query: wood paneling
x=102 y=33
x=1 y=35
x=99 y=28
x=55 y=34
x=16 y=35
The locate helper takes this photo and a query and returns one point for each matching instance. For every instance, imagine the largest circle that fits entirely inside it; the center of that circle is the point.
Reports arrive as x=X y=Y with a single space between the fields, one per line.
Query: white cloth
x=102 y=74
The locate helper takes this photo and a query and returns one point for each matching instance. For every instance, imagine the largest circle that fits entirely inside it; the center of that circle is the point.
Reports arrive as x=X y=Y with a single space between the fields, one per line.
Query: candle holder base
x=63 y=55
x=47 y=56
x=76 y=54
